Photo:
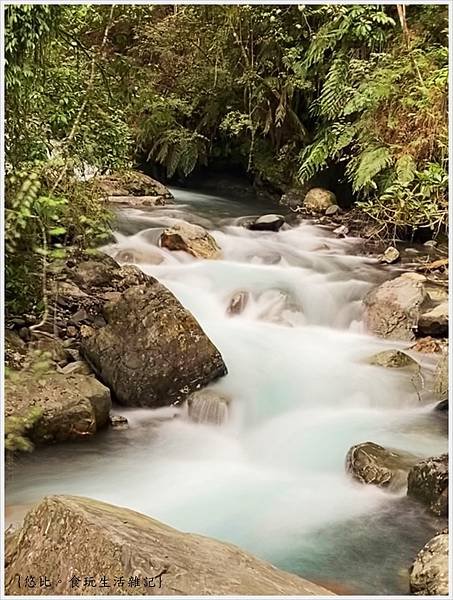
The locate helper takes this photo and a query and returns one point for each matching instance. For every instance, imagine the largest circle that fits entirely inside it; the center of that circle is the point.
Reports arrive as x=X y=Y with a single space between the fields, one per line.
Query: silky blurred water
x=272 y=478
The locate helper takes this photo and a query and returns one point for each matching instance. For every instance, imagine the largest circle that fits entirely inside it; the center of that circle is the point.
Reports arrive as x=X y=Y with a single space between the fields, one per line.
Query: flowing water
x=272 y=478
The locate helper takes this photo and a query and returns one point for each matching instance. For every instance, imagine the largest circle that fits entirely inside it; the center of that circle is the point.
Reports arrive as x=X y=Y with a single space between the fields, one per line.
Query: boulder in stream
x=70 y=406
x=193 y=239
x=238 y=303
x=434 y=321
x=427 y=481
x=72 y=537
x=267 y=223
x=373 y=464
x=130 y=184
x=392 y=310
x=428 y=574
x=152 y=352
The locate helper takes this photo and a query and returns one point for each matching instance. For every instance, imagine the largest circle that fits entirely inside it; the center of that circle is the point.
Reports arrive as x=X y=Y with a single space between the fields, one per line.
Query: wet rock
x=118 y=422
x=390 y=256
x=267 y=223
x=238 y=303
x=93 y=273
x=442 y=406
x=429 y=572
x=131 y=183
x=192 y=239
x=427 y=480
x=370 y=463
x=434 y=321
x=430 y=244
x=319 y=199
x=116 y=540
x=392 y=310
x=440 y=385
x=72 y=406
x=132 y=255
x=332 y=210
x=208 y=406
x=152 y=352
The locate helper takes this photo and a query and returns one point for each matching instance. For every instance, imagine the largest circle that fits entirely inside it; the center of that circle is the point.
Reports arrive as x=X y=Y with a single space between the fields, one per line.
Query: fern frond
x=363 y=168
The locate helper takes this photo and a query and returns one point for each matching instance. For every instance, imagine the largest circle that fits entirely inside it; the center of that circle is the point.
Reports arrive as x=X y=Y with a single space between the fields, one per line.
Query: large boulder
x=131 y=183
x=428 y=575
x=69 y=538
x=152 y=352
x=427 y=481
x=370 y=463
x=193 y=239
x=392 y=310
x=138 y=201
x=319 y=199
x=70 y=406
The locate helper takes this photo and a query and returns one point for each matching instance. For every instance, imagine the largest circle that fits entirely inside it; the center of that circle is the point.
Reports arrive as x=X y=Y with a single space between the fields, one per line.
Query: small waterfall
x=208 y=407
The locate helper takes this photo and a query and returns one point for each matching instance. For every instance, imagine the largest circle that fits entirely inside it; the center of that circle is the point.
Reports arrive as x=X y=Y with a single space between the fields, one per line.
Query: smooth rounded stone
x=427 y=480
x=435 y=320
x=152 y=352
x=116 y=540
x=192 y=239
x=208 y=406
x=72 y=406
x=319 y=199
x=133 y=255
x=440 y=385
x=118 y=422
x=442 y=406
x=428 y=574
x=267 y=223
x=370 y=463
x=430 y=244
x=392 y=310
x=332 y=210
x=390 y=256
x=238 y=303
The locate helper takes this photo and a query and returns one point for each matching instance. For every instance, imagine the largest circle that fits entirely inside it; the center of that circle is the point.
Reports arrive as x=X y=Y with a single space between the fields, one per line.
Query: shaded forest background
x=284 y=95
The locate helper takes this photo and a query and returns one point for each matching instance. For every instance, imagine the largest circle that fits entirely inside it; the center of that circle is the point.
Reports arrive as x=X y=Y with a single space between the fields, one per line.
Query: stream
x=272 y=479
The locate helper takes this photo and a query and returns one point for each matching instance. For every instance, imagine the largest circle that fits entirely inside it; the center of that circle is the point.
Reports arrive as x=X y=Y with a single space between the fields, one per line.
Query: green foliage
x=17 y=430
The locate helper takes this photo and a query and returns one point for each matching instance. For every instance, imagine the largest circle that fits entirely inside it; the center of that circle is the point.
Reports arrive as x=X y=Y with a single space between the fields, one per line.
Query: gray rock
x=78 y=367
x=427 y=480
x=152 y=352
x=341 y=231
x=208 y=406
x=430 y=244
x=192 y=239
x=138 y=201
x=429 y=572
x=131 y=183
x=435 y=320
x=370 y=463
x=392 y=310
x=390 y=256
x=393 y=359
x=319 y=199
x=73 y=535
x=267 y=223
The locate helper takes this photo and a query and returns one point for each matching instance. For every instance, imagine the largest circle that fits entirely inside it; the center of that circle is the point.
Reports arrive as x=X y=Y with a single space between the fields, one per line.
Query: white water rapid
x=272 y=478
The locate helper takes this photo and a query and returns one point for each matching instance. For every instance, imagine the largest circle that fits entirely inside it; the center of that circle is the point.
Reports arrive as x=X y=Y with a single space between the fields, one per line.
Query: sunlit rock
x=319 y=199
x=427 y=481
x=267 y=223
x=192 y=239
x=429 y=572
